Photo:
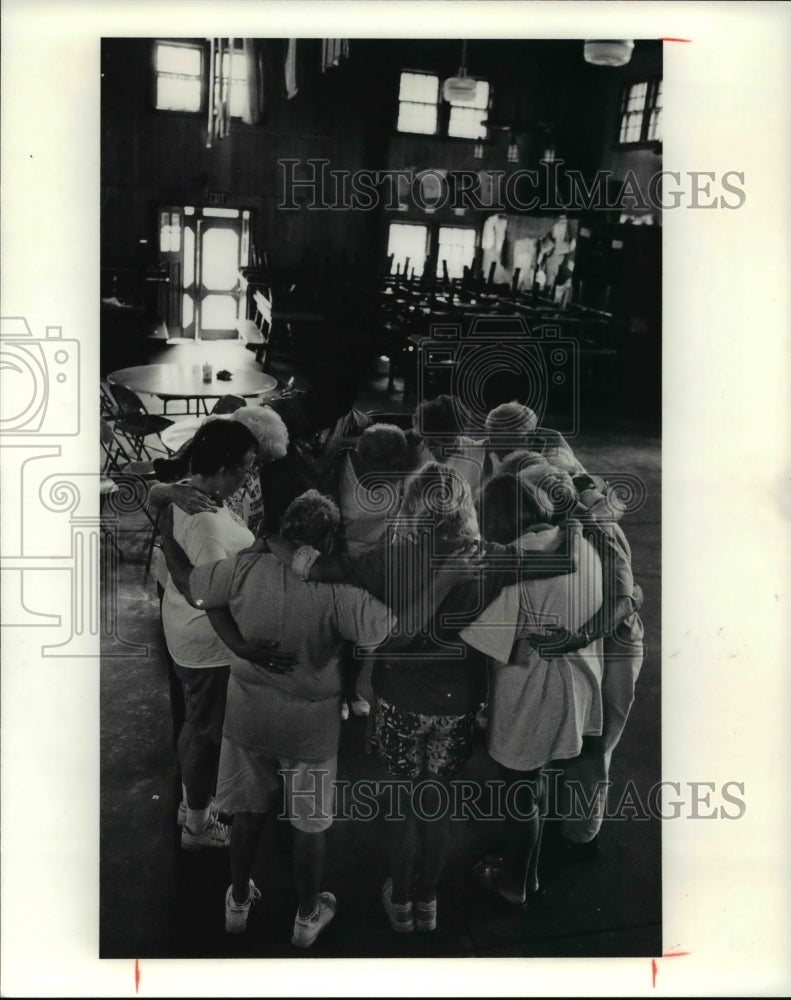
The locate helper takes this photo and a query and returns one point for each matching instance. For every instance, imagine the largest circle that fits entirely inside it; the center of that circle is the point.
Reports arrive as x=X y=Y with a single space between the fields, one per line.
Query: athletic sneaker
x=181 y=819
x=400 y=914
x=213 y=834
x=236 y=914
x=426 y=916
x=360 y=706
x=307 y=929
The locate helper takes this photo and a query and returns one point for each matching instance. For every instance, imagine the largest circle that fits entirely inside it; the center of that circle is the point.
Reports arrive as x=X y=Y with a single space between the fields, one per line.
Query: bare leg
x=402 y=844
x=245 y=837
x=309 y=849
x=434 y=835
x=532 y=883
x=525 y=800
x=198 y=759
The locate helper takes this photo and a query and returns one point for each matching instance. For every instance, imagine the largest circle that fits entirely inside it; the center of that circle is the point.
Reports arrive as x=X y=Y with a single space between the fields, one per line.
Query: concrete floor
x=157 y=901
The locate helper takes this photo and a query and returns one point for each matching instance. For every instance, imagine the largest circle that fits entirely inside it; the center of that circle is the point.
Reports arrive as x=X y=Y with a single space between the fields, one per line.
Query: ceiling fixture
x=608 y=53
x=460 y=89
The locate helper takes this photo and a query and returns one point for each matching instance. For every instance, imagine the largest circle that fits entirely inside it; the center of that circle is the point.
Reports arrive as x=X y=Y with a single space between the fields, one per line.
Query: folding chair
x=228 y=404
x=254 y=333
x=107 y=405
x=136 y=423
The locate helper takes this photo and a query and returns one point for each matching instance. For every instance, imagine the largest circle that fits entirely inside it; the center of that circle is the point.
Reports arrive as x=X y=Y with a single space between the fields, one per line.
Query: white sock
x=183 y=793
x=197 y=819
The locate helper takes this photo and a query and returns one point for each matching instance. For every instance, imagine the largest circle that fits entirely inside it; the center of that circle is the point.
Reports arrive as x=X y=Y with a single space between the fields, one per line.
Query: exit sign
x=216 y=197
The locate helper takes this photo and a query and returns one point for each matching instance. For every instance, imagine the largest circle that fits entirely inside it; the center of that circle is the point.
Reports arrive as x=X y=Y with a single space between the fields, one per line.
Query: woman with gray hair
x=271 y=436
x=512 y=426
x=538 y=711
x=426 y=699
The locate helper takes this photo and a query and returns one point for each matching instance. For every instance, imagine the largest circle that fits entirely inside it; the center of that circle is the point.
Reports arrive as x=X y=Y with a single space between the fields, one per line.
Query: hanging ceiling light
x=460 y=89
x=608 y=53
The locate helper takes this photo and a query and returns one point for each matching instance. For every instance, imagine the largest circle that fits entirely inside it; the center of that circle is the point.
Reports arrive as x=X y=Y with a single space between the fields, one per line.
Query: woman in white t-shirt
x=247 y=502
x=224 y=454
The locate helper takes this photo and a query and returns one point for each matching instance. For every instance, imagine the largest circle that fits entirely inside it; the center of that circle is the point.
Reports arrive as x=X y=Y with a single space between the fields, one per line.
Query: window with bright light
x=655 y=115
x=407 y=244
x=418 y=98
x=456 y=248
x=466 y=120
x=641 y=112
x=178 y=77
x=419 y=108
x=238 y=83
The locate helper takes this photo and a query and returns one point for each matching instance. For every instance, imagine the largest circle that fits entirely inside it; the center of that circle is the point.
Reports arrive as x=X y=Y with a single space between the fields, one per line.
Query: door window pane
x=218 y=312
x=220 y=252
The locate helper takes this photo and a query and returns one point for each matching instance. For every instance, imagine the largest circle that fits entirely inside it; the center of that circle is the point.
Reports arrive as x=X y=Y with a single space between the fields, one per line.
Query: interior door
x=217 y=284
x=212 y=245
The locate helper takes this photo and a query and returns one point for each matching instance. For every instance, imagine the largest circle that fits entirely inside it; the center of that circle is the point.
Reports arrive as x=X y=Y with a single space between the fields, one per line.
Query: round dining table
x=169 y=382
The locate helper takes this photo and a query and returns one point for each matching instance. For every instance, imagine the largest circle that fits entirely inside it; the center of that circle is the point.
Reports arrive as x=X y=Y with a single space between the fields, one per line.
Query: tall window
x=419 y=108
x=456 y=248
x=179 y=76
x=408 y=244
x=466 y=121
x=418 y=98
x=238 y=81
x=641 y=112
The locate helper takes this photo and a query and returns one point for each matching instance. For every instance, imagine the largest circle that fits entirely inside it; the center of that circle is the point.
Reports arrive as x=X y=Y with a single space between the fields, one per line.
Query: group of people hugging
x=439 y=582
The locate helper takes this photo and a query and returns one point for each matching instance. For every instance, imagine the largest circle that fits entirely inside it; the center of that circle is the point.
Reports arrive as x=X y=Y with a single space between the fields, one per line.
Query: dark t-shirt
x=438 y=674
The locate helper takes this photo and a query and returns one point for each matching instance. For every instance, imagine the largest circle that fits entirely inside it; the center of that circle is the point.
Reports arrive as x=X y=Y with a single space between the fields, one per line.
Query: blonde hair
x=267 y=428
x=510 y=420
x=437 y=496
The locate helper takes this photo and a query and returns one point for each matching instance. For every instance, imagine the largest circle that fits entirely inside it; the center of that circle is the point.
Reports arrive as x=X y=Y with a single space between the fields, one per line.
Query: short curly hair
x=382 y=448
x=510 y=420
x=219 y=444
x=438 y=496
x=442 y=417
x=314 y=519
x=267 y=428
x=510 y=505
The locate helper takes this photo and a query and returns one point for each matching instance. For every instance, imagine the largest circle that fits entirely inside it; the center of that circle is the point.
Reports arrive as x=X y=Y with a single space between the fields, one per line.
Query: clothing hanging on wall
x=494 y=229
x=291 y=69
x=332 y=49
x=253 y=106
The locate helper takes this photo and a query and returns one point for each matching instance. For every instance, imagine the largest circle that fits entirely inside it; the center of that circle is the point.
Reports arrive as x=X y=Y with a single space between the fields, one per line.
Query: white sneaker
x=360 y=706
x=236 y=914
x=181 y=818
x=307 y=929
x=426 y=915
x=213 y=834
x=401 y=915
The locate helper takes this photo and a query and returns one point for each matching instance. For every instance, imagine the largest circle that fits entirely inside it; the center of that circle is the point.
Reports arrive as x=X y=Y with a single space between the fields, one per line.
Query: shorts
x=205 y=689
x=411 y=744
x=248 y=781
